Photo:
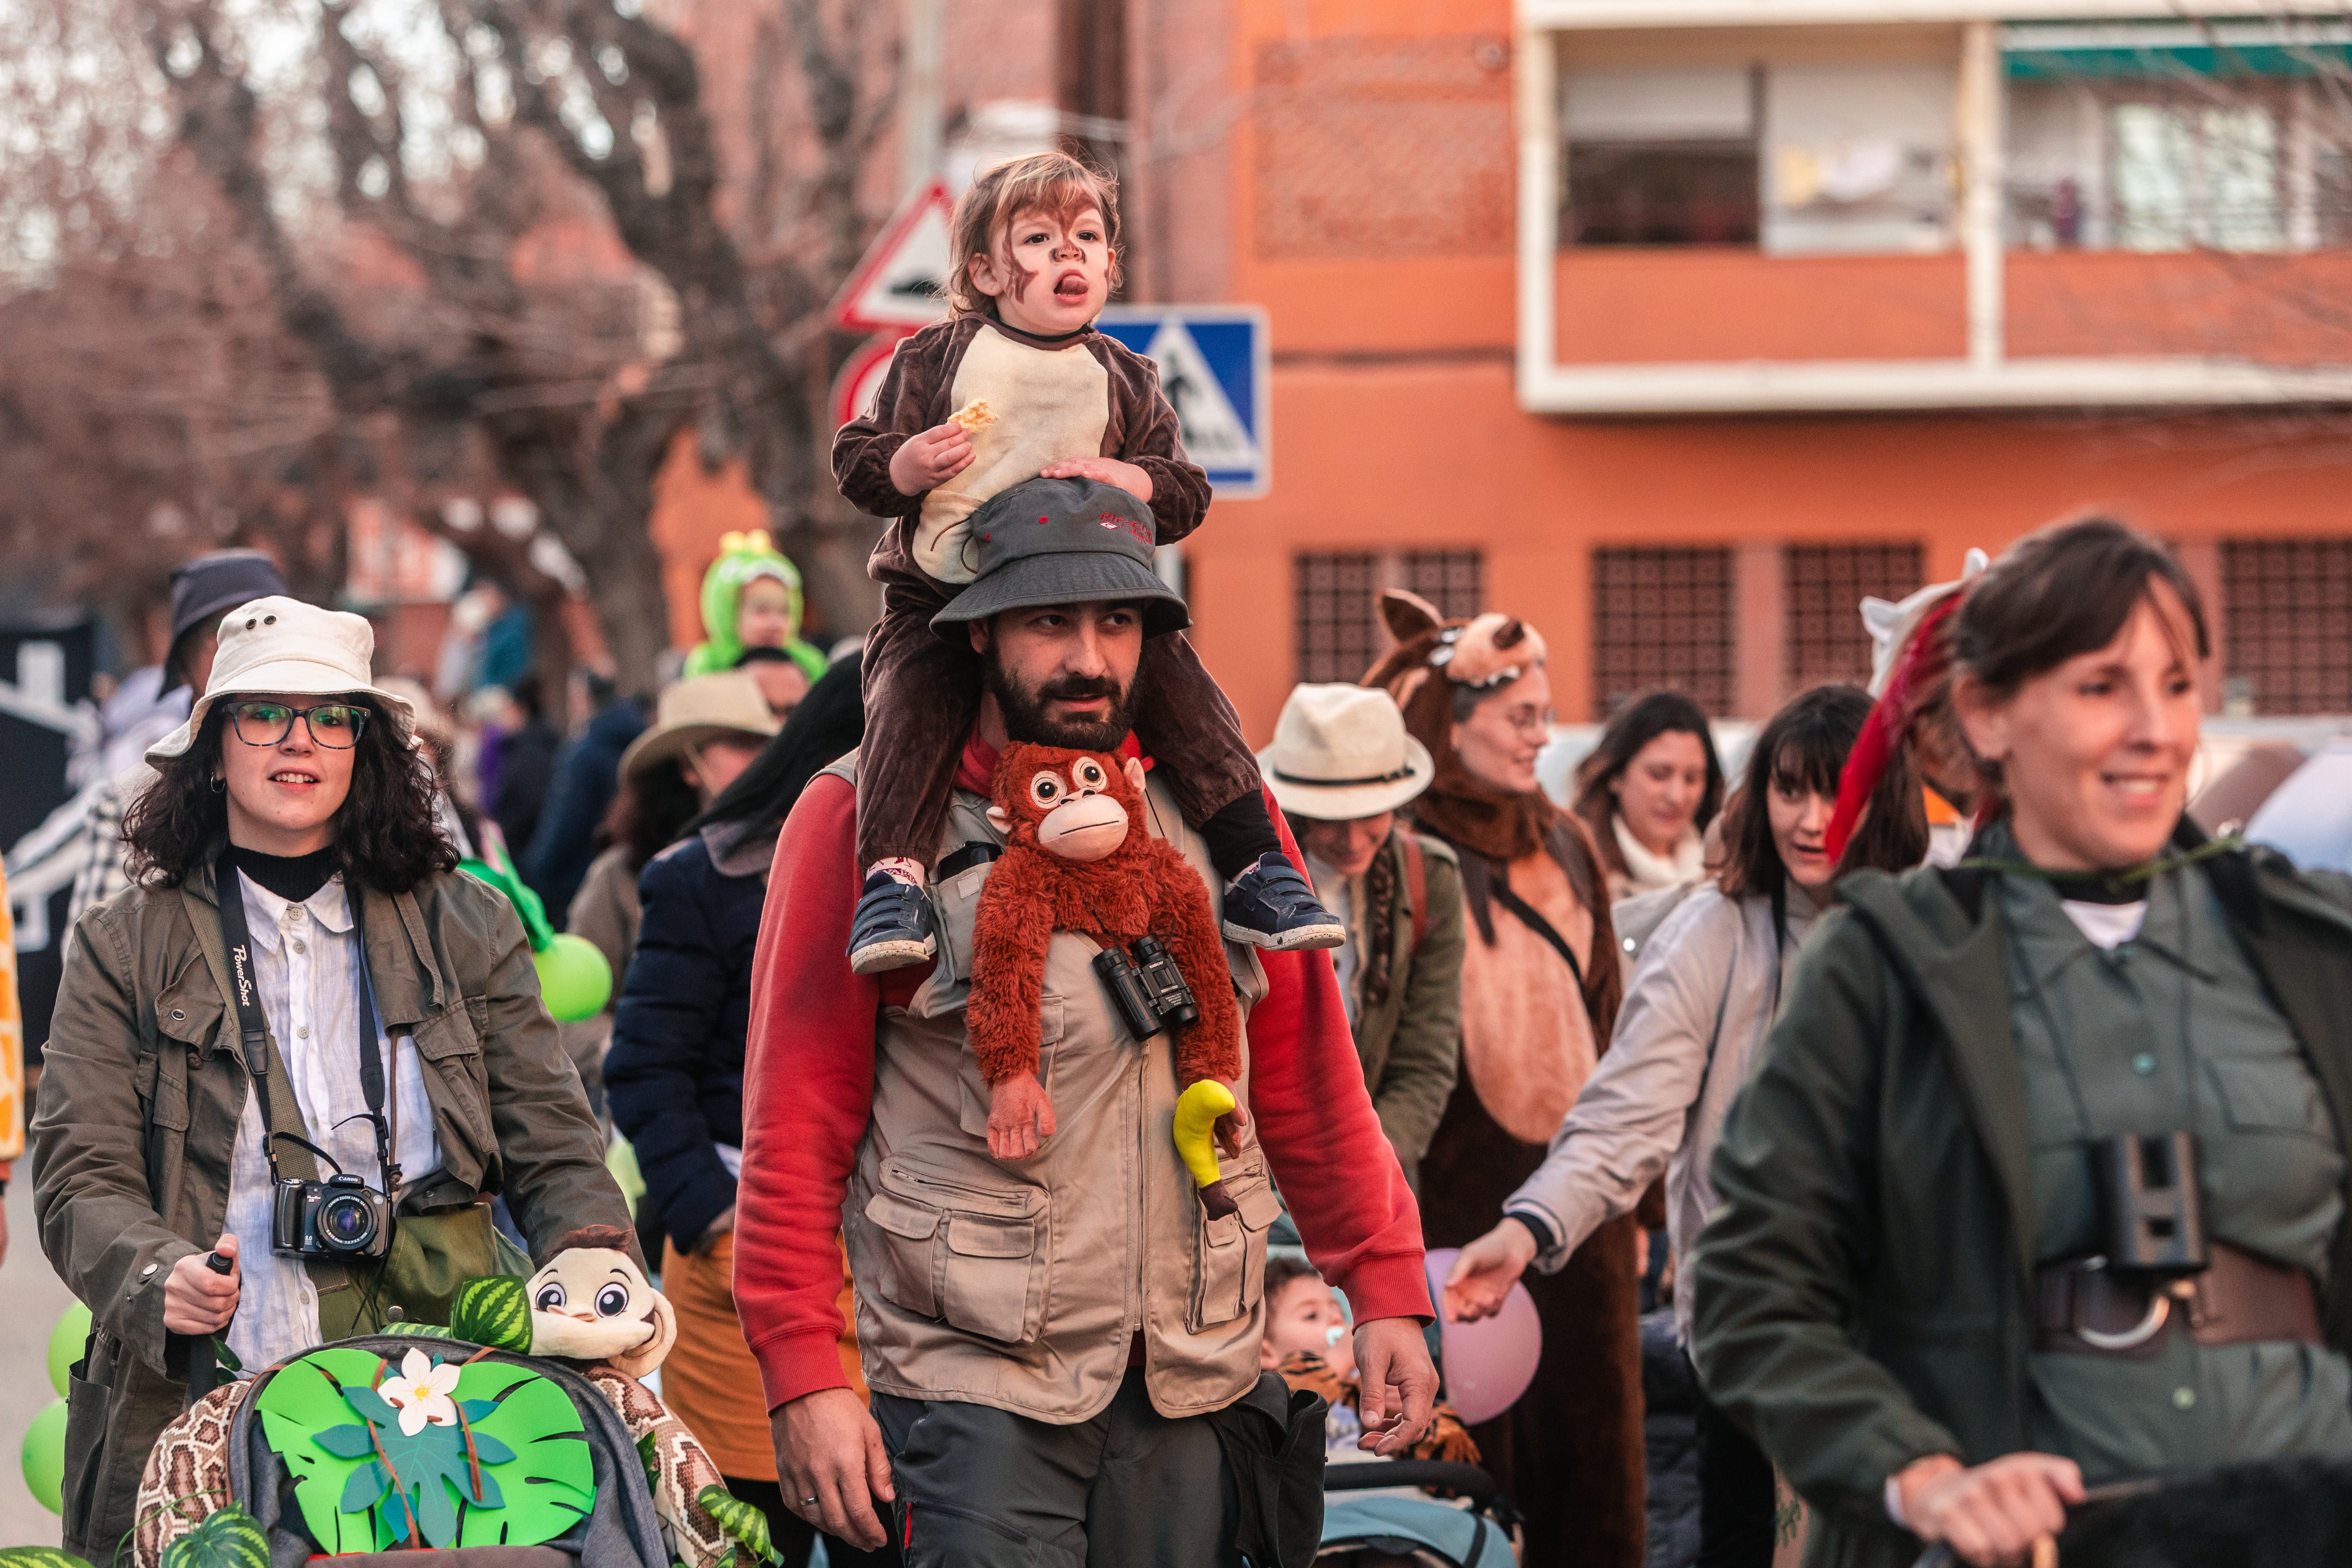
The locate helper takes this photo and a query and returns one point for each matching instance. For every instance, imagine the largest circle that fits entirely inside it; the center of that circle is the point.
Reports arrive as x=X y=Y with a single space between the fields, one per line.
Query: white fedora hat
x=274 y=645
x=1340 y=753
x=697 y=710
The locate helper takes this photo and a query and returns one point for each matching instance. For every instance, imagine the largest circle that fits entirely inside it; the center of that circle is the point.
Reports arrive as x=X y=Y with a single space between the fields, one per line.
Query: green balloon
x=574 y=981
x=45 y=1457
x=65 y=1342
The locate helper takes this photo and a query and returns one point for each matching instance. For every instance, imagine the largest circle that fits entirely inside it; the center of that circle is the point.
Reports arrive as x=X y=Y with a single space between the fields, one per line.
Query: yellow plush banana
x=1197 y=1110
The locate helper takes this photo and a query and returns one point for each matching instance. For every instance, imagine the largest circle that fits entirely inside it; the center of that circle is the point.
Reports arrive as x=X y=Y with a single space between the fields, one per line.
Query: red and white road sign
x=861 y=373
x=901 y=284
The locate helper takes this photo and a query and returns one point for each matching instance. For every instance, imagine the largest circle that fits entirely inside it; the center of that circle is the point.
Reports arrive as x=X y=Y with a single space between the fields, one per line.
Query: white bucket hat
x=281 y=644
x=697 y=710
x=1341 y=753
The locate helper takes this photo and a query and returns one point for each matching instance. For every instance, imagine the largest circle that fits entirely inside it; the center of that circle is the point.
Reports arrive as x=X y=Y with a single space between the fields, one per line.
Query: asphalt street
x=32 y=1297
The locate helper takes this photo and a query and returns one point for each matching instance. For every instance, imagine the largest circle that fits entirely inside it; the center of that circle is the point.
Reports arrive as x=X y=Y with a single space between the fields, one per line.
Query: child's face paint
x=763 y=615
x=1048 y=274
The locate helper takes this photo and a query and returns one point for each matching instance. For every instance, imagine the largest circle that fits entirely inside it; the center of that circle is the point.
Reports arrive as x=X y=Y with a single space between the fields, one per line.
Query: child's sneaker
x=1272 y=906
x=892 y=927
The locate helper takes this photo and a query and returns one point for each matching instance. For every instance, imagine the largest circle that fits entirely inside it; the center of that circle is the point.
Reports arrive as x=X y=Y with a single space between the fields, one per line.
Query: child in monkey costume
x=1078 y=858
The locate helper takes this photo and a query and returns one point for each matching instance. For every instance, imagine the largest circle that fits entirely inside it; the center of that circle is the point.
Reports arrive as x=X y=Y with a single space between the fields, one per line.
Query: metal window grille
x=2287 y=623
x=1339 y=629
x=1662 y=618
x=1826 y=584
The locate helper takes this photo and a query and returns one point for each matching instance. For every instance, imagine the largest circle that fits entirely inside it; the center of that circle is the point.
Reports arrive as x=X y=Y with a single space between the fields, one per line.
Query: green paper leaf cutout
x=224 y=1357
x=739 y=1520
x=352 y=1442
x=228 y=1538
x=550 y=1483
x=360 y=1492
x=39 y=1557
x=647 y=1456
x=303 y=1398
x=545 y=1481
x=493 y=1310
x=372 y=1406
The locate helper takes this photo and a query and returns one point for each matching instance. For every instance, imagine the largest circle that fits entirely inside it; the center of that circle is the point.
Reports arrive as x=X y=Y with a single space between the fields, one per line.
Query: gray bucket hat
x=1062 y=541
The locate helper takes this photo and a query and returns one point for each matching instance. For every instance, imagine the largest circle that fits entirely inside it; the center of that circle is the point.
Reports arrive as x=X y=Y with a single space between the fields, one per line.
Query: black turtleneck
x=293 y=877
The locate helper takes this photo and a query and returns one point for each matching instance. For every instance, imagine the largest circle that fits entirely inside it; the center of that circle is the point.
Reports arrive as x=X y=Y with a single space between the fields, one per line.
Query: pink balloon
x=1489 y=1363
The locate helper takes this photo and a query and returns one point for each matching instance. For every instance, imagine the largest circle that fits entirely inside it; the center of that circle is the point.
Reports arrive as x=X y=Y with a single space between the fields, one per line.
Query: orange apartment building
x=1676 y=326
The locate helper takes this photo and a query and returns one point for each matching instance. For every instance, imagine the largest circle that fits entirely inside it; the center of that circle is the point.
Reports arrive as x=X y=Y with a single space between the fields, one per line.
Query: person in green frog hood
x=751 y=598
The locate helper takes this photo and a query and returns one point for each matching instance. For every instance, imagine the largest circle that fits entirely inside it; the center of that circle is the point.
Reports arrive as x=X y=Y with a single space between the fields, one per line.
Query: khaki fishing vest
x=1021 y=1284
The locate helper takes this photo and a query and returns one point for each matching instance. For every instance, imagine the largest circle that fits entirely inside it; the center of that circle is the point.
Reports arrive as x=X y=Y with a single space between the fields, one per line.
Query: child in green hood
x=751 y=598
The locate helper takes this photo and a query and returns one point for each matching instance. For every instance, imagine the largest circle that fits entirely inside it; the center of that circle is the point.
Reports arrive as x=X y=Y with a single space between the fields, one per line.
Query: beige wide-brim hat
x=276 y=645
x=697 y=710
x=1341 y=753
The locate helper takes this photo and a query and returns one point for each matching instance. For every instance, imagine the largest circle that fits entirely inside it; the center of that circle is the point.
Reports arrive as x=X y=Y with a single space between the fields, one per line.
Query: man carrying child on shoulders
x=1062 y=1353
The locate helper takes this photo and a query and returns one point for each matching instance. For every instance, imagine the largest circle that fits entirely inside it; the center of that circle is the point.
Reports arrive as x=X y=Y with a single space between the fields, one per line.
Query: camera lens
x=346 y=1223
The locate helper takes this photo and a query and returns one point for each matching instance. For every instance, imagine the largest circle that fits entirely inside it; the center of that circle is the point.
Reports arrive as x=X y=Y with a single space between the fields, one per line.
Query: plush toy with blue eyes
x=591 y=1303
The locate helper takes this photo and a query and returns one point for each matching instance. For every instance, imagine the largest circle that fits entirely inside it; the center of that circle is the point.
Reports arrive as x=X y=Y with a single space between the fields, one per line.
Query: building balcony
x=1776 y=206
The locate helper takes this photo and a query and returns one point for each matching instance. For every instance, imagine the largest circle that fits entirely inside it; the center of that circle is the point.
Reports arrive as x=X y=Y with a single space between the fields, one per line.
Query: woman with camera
x=2040 y=1180
x=270 y=1119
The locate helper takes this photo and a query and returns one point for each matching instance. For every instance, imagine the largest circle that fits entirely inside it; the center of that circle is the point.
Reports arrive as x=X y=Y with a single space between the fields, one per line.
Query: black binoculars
x=2149 y=1202
x=1148 y=989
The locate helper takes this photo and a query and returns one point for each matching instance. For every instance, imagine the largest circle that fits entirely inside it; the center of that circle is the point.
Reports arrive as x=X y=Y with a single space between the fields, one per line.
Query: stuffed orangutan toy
x=1078 y=858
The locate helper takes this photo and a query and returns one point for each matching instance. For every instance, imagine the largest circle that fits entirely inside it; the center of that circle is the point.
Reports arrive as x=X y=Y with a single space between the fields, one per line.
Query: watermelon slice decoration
x=493 y=1310
x=383 y=1455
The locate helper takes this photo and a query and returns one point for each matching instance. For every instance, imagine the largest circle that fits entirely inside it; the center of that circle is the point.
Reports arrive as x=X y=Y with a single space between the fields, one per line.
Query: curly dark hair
x=388 y=837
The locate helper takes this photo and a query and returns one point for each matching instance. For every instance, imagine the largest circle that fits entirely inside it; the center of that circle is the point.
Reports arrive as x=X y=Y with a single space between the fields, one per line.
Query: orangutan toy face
x=1075 y=805
x=592 y=1304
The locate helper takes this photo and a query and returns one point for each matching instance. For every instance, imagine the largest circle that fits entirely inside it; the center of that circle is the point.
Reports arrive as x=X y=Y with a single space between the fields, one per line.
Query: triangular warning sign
x=1214 y=436
x=902 y=281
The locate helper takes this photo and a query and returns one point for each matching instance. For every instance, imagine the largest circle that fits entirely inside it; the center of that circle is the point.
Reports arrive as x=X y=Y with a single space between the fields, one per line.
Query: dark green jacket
x=1865 y=1288
x=143 y=1085
x=1411 y=1043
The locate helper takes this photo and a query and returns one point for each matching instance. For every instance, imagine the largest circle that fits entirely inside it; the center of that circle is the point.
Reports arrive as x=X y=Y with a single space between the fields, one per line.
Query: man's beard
x=1027 y=718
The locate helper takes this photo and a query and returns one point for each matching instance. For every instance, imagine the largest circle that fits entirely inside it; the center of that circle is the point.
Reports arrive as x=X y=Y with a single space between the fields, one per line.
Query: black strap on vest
x=978 y=852
x=253 y=1027
x=1530 y=918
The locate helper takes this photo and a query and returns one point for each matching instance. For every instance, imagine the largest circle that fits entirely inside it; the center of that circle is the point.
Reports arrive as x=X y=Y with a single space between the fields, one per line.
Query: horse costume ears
x=1408 y=615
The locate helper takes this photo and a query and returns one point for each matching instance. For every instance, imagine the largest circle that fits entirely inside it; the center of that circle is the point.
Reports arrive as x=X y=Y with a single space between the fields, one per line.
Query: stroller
x=1375 y=1516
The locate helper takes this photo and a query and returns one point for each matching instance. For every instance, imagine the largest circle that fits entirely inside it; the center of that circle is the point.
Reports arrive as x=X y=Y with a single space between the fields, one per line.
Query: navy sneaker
x=892 y=927
x=1272 y=906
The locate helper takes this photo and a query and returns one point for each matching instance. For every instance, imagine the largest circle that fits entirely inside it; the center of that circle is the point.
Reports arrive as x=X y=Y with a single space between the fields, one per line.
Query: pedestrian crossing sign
x=1215 y=369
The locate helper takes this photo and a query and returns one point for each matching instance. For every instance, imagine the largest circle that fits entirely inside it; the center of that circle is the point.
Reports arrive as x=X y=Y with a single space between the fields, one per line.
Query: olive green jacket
x=143 y=1085
x=1411 y=1043
x=1865 y=1288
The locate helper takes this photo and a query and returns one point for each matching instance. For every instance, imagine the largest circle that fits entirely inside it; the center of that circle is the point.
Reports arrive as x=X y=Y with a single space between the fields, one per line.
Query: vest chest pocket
x=971 y=1113
x=962 y=1251
x=1229 y=1257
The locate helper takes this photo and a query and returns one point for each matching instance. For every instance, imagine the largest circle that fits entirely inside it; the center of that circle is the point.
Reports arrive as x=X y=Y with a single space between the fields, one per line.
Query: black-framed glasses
x=334 y=725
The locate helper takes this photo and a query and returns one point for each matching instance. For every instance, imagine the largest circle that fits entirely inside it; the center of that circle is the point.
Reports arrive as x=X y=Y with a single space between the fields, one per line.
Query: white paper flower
x=421 y=1393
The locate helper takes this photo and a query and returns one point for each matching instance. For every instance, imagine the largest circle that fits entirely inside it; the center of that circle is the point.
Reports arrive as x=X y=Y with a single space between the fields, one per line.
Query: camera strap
x=261 y=1057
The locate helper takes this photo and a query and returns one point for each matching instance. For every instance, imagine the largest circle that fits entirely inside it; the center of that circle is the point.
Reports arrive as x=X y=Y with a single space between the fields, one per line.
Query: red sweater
x=808 y=1090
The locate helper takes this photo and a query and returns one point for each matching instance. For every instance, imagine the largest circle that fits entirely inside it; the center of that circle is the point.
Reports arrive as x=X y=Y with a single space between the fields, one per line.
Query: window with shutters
x=2286 y=643
x=1826 y=585
x=1340 y=634
x=1662 y=618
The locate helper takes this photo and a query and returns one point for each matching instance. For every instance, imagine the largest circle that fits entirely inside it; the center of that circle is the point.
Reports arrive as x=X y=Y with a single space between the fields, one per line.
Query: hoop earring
x=220 y=785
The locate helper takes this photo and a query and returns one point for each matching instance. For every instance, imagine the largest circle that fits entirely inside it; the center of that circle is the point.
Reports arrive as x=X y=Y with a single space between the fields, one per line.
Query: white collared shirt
x=303 y=964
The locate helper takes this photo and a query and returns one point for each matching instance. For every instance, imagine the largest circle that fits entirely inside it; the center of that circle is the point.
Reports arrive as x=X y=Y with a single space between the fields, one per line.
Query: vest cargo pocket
x=906 y=1246
x=962 y=1251
x=992 y=1267
x=971 y=1110
x=1229 y=1259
